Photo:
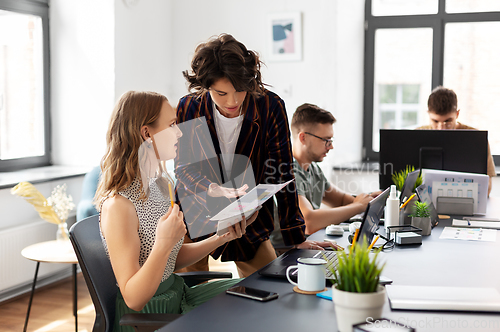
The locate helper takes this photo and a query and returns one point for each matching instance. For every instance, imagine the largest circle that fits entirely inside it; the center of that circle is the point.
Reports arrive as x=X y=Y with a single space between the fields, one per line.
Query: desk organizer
x=455 y=205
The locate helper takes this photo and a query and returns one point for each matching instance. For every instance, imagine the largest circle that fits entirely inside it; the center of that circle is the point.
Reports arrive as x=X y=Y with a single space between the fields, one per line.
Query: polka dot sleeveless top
x=149 y=212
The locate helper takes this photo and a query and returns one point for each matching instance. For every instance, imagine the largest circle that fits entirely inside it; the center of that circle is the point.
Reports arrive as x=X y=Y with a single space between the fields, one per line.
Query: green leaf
x=358 y=272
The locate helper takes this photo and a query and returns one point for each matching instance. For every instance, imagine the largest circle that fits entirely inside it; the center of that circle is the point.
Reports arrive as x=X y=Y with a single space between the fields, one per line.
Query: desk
x=51 y=252
x=436 y=262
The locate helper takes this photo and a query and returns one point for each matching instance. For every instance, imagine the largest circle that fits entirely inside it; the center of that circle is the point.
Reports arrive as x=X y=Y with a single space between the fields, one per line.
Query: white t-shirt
x=228 y=131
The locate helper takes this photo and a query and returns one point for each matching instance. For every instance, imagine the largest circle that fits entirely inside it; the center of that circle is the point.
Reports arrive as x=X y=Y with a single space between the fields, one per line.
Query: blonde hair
x=120 y=164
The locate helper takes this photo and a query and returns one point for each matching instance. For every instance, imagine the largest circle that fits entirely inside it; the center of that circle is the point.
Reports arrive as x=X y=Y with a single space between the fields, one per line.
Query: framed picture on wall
x=285 y=36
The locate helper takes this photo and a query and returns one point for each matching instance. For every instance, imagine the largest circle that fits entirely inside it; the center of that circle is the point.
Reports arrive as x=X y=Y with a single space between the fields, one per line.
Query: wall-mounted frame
x=285 y=36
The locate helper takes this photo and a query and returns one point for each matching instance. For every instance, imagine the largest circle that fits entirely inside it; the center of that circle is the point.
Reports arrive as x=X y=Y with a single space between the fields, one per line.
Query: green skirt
x=173 y=297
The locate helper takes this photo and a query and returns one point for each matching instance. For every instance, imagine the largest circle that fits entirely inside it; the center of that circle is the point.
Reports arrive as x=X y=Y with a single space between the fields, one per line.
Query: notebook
x=368 y=228
x=443 y=298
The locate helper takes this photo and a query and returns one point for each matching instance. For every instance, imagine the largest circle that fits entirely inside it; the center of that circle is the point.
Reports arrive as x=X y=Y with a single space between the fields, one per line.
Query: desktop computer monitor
x=451 y=150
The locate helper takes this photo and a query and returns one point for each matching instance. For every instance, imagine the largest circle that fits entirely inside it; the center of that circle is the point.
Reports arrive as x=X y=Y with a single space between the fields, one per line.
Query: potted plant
x=398 y=178
x=421 y=217
x=55 y=209
x=356 y=292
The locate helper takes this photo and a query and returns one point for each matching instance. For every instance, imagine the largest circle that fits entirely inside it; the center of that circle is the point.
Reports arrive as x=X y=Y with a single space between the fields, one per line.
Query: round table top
x=56 y=251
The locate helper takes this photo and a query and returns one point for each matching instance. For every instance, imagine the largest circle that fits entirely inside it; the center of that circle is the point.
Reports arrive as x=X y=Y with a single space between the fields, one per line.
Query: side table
x=56 y=251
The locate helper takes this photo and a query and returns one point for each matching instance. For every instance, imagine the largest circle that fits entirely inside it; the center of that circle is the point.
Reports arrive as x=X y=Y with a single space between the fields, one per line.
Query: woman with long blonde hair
x=142 y=233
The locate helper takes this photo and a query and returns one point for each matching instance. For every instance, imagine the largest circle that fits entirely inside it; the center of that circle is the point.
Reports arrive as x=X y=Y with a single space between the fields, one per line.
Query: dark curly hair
x=442 y=101
x=224 y=57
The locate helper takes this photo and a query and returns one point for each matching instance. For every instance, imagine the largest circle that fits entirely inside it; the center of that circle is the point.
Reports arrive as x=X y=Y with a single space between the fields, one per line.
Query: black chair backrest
x=96 y=269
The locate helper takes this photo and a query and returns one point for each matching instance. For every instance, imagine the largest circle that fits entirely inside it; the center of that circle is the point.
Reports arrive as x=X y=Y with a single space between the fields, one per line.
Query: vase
x=62 y=233
x=353 y=308
x=423 y=223
x=405 y=214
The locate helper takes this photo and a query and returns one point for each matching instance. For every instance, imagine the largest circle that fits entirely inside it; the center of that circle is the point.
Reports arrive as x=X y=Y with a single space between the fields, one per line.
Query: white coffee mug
x=311 y=274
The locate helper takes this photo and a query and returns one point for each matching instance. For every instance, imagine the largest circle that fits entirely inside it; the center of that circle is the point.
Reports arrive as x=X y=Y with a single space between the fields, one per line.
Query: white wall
x=143 y=46
x=329 y=75
x=82 y=78
x=101 y=49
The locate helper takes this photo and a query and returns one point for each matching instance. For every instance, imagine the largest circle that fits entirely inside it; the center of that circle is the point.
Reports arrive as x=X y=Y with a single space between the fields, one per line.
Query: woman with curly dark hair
x=248 y=129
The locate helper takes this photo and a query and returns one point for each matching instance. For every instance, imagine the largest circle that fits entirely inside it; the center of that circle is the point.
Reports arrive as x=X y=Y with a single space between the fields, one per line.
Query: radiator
x=16 y=272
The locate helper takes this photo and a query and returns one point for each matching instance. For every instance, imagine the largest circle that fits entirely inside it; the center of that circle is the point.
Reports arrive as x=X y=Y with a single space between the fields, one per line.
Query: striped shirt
x=264 y=145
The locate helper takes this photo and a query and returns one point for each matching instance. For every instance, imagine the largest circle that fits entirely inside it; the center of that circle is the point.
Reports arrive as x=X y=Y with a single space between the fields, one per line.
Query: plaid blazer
x=264 y=142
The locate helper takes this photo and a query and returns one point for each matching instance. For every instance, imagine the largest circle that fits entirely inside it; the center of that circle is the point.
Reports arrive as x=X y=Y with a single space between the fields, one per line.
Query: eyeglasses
x=328 y=142
x=445 y=124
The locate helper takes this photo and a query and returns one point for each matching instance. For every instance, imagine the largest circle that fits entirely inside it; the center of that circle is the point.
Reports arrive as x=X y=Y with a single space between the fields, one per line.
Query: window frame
x=437 y=22
x=39 y=8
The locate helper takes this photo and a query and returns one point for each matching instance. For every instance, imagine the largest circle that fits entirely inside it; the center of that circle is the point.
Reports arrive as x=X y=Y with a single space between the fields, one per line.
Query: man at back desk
x=443 y=114
x=312 y=134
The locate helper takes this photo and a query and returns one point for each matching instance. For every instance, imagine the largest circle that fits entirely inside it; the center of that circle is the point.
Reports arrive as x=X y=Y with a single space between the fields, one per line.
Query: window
x=24 y=85
x=413 y=46
x=397 y=107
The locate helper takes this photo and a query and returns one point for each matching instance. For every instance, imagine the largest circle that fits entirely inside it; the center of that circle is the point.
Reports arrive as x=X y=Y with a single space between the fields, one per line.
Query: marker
x=354 y=239
x=371 y=245
x=407 y=201
x=171 y=195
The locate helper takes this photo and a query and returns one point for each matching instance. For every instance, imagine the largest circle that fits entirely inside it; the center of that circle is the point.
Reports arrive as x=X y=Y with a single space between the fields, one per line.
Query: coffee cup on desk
x=310 y=274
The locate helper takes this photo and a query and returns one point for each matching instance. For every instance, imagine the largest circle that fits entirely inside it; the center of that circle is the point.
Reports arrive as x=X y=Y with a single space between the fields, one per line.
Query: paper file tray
x=455 y=205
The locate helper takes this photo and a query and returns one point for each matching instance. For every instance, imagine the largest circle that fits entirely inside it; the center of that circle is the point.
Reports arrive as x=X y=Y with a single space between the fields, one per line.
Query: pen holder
x=404 y=214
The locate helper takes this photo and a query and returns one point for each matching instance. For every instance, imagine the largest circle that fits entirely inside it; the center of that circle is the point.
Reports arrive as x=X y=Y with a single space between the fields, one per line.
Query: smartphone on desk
x=252 y=293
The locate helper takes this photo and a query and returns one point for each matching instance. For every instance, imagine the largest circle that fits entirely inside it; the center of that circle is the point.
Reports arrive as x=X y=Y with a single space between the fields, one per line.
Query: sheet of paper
x=469 y=234
x=251 y=201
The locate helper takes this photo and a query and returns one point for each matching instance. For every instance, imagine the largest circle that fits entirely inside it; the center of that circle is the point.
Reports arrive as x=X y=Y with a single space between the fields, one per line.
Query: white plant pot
x=352 y=308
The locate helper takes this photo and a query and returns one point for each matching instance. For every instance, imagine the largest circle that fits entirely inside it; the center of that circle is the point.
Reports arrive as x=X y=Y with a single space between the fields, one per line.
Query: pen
x=171 y=195
x=371 y=245
x=354 y=239
x=407 y=201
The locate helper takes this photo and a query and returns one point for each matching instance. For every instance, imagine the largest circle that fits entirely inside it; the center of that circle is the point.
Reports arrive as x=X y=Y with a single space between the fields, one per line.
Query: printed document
x=245 y=205
x=469 y=234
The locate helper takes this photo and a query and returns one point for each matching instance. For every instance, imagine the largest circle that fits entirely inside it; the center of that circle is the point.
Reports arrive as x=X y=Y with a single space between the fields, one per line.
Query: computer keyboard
x=332 y=261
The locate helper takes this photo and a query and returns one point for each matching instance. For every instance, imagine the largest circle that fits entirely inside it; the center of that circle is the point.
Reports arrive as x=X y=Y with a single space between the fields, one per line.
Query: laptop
x=409 y=184
x=368 y=228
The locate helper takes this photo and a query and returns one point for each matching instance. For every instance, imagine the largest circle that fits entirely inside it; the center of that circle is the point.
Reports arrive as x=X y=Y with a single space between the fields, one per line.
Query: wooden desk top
x=51 y=252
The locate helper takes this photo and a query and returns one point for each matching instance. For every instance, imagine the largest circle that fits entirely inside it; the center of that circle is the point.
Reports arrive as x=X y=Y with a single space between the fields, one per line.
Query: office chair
x=85 y=207
x=101 y=281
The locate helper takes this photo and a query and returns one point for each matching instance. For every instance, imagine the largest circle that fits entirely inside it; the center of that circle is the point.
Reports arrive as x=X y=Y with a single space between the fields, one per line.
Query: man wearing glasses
x=312 y=135
x=443 y=114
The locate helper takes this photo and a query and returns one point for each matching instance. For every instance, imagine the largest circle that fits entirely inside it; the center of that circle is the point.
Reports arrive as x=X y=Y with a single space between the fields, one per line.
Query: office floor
x=52 y=308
